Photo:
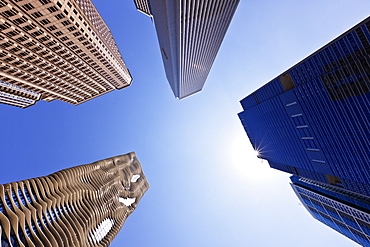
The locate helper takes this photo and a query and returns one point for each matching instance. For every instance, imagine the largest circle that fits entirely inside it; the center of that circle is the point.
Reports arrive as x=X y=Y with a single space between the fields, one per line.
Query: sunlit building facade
x=190 y=34
x=344 y=211
x=313 y=120
x=17 y=96
x=60 y=49
x=81 y=206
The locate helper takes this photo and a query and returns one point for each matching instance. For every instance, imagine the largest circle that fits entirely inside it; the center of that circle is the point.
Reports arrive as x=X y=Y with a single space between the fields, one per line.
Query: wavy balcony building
x=60 y=49
x=81 y=206
x=190 y=34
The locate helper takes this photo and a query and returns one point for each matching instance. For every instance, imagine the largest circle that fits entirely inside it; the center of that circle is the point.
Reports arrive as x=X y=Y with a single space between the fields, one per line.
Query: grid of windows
x=324 y=134
x=40 y=60
x=189 y=37
x=344 y=218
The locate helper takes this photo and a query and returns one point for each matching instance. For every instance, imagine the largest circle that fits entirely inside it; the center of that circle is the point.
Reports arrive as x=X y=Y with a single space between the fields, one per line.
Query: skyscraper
x=59 y=49
x=313 y=119
x=344 y=211
x=190 y=34
x=81 y=206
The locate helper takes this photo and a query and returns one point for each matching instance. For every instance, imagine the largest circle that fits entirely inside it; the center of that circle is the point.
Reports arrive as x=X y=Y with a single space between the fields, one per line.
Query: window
x=69 y=43
x=28 y=6
x=65 y=23
x=36 y=14
x=9 y=13
x=28 y=27
x=21 y=39
x=45 y=21
x=71 y=29
x=43 y=2
x=287 y=82
x=77 y=34
x=20 y=20
x=52 y=9
x=59 y=16
x=58 y=33
x=52 y=28
x=12 y=33
x=4 y=26
x=64 y=38
x=37 y=33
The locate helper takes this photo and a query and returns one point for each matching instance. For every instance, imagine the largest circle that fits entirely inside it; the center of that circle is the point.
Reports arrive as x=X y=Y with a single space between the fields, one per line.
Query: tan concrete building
x=81 y=206
x=61 y=49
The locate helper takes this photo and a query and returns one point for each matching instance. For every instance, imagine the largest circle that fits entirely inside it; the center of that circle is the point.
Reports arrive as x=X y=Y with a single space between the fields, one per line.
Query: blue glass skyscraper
x=344 y=211
x=313 y=120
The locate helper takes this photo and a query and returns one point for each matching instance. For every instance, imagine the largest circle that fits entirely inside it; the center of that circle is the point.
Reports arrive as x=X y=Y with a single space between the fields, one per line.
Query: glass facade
x=313 y=119
x=342 y=213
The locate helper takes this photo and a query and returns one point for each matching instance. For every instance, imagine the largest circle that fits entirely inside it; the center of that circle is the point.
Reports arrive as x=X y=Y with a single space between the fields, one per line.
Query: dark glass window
x=45 y=21
x=52 y=28
x=65 y=23
x=28 y=6
x=52 y=9
x=59 y=16
x=44 y=1
x=71 y=28
x=36 y=14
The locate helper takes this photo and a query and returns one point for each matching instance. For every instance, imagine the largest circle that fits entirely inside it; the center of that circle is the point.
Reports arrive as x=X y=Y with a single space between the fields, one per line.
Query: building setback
x=190 y=34
x=344 y=211
x=60 y=49
x=313 y=120
x=17 y=96
x=81 y=206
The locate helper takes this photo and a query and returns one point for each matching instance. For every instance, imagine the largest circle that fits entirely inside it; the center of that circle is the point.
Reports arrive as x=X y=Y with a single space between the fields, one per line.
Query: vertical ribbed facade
x=190 y=33
x=343 y=211
x=17 y=96
x=81 y=206
x=313 y=120
x=60 y=49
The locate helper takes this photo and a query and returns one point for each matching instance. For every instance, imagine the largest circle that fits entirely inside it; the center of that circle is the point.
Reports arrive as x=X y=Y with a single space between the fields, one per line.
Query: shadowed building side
x=81 y=206
x=190 y=34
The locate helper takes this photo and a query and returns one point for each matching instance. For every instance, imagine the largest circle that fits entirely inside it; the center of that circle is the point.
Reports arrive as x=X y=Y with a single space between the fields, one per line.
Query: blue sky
x=207 y=186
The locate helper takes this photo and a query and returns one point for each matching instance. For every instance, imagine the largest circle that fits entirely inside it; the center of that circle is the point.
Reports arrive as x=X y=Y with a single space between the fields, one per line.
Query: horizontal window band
x=319 y=161
x=301 y=126
x=296 y=115
x=313 y=149
x=290 y=104
x=307 y=138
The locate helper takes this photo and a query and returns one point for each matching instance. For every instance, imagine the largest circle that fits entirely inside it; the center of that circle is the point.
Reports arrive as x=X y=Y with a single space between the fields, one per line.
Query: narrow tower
x=80 y=206
x=190 y=33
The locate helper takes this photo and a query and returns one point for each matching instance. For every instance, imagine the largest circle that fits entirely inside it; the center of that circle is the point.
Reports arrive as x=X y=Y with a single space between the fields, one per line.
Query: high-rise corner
x=190 y=34
x=345 y=211
x=57 y=49
x=80 y=206
x=312 y=121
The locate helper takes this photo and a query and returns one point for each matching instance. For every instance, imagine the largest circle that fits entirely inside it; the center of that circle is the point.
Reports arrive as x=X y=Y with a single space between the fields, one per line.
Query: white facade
x=190 y=33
